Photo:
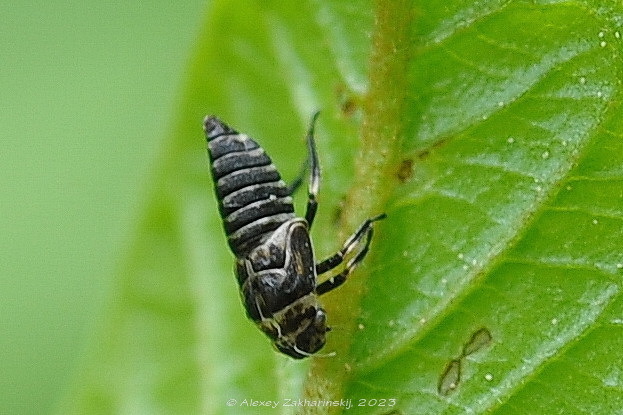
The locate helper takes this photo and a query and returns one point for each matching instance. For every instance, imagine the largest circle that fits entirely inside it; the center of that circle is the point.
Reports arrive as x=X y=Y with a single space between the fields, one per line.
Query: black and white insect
x=275 y=263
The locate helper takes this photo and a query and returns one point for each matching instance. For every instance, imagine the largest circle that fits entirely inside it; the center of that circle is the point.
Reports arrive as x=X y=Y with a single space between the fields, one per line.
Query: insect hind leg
x=364 y=231
x=314 y=175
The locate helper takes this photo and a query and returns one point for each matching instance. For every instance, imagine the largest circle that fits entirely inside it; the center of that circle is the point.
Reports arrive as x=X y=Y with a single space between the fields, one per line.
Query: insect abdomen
x=253 y=200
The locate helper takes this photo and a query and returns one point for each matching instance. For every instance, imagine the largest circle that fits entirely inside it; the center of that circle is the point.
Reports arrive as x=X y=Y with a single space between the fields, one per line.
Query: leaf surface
x=491 y=135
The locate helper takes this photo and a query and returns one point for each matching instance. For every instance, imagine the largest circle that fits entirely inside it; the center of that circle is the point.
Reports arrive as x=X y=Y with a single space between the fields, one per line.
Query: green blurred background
x=88 y=92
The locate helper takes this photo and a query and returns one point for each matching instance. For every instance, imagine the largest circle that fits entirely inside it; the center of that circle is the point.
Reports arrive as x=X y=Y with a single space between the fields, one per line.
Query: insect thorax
x=277 y=281
x=278 y=272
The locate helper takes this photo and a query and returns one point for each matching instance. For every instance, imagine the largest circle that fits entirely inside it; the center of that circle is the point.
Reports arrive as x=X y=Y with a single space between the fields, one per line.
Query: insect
x=275 y=263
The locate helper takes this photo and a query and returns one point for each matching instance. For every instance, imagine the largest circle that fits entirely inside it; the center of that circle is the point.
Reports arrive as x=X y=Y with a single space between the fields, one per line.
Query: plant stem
x=376 y=166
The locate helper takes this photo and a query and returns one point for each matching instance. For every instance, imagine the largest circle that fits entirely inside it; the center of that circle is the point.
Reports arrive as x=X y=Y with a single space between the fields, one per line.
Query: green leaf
x=491 y=135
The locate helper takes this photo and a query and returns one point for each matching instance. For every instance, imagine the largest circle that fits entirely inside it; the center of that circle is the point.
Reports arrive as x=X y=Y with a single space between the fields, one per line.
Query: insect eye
x=320 y=319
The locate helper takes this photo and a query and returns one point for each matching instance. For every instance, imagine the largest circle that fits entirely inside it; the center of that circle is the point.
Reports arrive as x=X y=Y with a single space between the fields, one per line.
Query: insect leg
x=314 y=174
x=350 y=244
x=340 y=278
x=365 y=230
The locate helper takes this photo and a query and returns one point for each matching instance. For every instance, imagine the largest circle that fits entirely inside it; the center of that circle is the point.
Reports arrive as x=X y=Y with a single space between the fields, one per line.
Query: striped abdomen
x=253 y=200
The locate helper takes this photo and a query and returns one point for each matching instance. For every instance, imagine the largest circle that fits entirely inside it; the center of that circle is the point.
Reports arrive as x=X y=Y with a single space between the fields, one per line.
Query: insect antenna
x=306 y=354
